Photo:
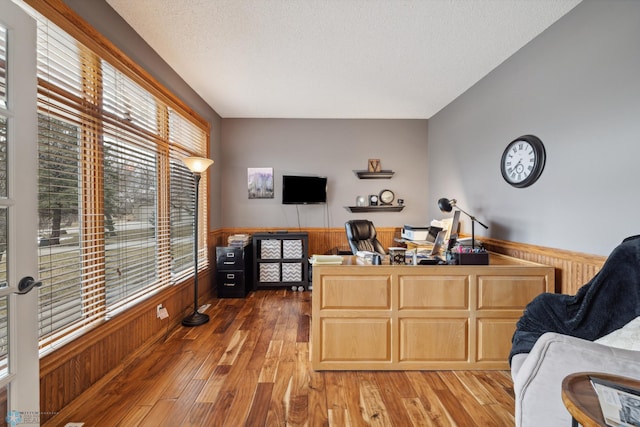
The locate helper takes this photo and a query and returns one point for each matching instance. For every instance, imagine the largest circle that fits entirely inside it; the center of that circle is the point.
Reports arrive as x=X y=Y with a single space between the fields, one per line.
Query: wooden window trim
x=93 y=123
x=64 y=17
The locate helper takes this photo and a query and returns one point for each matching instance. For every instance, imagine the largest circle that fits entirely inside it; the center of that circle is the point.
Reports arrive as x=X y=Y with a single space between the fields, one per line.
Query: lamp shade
x=197 y=164
x=446 y=205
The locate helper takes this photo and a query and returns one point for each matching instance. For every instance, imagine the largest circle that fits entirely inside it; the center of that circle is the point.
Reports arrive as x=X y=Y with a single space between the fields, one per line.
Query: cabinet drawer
x=229 y=258
x=291 y=272
x=269 y=272
x=292 y=249
x=231 y=284
x=270 y=249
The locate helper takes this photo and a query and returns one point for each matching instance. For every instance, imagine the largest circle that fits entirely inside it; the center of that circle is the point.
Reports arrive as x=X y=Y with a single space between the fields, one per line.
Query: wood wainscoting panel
x=445 y=292
x=355 y=340
x=491 y=349
x=433 y=340
x=573 y=269
x=505 y=292
x=356 y=292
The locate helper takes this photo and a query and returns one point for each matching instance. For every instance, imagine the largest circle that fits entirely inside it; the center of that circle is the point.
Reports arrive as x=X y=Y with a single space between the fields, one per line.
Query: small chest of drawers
x=233 y=271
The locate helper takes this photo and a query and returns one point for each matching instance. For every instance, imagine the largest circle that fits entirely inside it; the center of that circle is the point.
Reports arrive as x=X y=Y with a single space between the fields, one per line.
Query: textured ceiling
x=336 y=58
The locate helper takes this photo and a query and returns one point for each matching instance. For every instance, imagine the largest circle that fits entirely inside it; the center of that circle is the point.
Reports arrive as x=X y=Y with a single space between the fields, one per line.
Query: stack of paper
x=239 y=240
x=325 y=260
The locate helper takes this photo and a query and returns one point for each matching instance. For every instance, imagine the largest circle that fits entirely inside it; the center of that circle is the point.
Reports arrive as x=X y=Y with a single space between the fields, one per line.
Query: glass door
x=19 y=365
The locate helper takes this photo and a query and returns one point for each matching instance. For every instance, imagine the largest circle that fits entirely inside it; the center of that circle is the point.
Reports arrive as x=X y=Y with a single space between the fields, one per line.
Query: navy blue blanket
x=606 y=303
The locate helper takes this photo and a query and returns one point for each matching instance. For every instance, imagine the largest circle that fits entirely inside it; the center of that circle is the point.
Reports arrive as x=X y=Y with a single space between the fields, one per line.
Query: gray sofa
x=537 y=375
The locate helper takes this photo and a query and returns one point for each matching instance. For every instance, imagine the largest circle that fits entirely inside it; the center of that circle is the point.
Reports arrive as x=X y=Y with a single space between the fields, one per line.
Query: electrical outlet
x=161 y=312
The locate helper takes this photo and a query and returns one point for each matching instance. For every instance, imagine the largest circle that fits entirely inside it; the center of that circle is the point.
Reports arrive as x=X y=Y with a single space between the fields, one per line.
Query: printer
x=428 y=234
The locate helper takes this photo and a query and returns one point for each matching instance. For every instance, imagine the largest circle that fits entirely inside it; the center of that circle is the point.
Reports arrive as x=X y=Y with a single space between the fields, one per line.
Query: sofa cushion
x=627 y=337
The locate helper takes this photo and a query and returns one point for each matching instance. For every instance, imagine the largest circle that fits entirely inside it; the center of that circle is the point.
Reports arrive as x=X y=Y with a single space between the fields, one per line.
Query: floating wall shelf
x=382 y=208
x=384 y=174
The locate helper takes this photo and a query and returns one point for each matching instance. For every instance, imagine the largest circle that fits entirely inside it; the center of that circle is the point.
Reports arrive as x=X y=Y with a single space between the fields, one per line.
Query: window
x=182 y=202
x=130 y=175
x=115 y=200
x=60 y=261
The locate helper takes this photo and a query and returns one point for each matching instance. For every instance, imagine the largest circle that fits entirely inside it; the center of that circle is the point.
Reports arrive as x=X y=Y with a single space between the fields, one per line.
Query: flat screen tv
x=303 y=190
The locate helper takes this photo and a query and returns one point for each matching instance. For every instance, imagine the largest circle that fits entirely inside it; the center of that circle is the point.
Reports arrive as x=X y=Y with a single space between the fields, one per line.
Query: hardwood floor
x=250 y=366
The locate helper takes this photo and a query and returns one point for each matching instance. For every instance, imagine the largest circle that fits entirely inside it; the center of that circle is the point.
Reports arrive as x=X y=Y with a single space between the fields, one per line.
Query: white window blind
x=184 y=137
x=3 y=67
x=60 y=258
x=130 y=206
x=181 y=217
x=115 y=200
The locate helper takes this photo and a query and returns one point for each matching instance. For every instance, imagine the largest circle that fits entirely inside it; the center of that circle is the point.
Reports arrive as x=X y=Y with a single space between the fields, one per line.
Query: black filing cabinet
x=234 y=271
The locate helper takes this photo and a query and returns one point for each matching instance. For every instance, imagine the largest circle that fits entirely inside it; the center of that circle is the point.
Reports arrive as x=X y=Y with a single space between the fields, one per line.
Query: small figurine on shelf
x=374 y=165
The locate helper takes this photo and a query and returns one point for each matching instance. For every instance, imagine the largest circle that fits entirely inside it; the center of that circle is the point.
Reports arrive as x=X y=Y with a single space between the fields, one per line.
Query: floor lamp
x=447 y=205
x=197 y=165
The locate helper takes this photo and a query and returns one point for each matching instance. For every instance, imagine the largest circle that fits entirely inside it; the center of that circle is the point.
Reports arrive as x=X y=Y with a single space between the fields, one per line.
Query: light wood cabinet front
x=387 y=317
x=493 y=345
x=434 y=340
x=445 y=292
x=371 y=292
x=511 y=291
x=356 y=340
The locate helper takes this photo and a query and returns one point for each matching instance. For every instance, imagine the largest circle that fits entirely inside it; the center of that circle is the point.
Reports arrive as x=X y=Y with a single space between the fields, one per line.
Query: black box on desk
x=480 y=258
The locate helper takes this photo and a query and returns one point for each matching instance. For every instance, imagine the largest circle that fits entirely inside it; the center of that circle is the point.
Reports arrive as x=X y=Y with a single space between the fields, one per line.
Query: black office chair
x=361 y=235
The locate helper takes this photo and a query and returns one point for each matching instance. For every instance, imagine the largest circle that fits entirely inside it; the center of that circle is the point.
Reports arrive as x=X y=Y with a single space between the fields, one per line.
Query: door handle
x=26 y=284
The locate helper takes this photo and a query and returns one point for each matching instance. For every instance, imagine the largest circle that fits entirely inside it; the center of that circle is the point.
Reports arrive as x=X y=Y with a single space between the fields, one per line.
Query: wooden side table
x=581 y=399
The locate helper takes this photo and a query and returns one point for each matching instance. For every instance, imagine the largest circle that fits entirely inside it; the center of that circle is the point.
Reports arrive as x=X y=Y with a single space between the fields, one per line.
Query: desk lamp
x=447 y=205
x=197 y=166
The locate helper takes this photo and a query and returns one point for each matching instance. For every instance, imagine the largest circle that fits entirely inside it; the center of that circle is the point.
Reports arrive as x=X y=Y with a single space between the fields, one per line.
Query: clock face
x=523 y=161
x=386 y=197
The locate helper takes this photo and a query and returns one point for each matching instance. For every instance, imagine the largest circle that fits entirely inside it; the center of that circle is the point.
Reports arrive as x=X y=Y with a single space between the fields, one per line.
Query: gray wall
x=331 y=148
x=577 y=87
x=104 y=19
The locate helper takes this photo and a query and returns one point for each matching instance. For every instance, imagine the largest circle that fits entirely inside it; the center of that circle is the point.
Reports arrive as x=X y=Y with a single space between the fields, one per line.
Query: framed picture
x=374 y=165
x=260 y=183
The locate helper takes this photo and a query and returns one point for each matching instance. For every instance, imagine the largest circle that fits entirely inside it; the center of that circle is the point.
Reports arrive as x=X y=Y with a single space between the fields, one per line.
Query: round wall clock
x=386 y=197
x=523 y=161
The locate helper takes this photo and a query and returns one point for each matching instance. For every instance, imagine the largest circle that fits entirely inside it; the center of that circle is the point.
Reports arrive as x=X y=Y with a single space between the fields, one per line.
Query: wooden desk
x=581 y=399
x=404 y=317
